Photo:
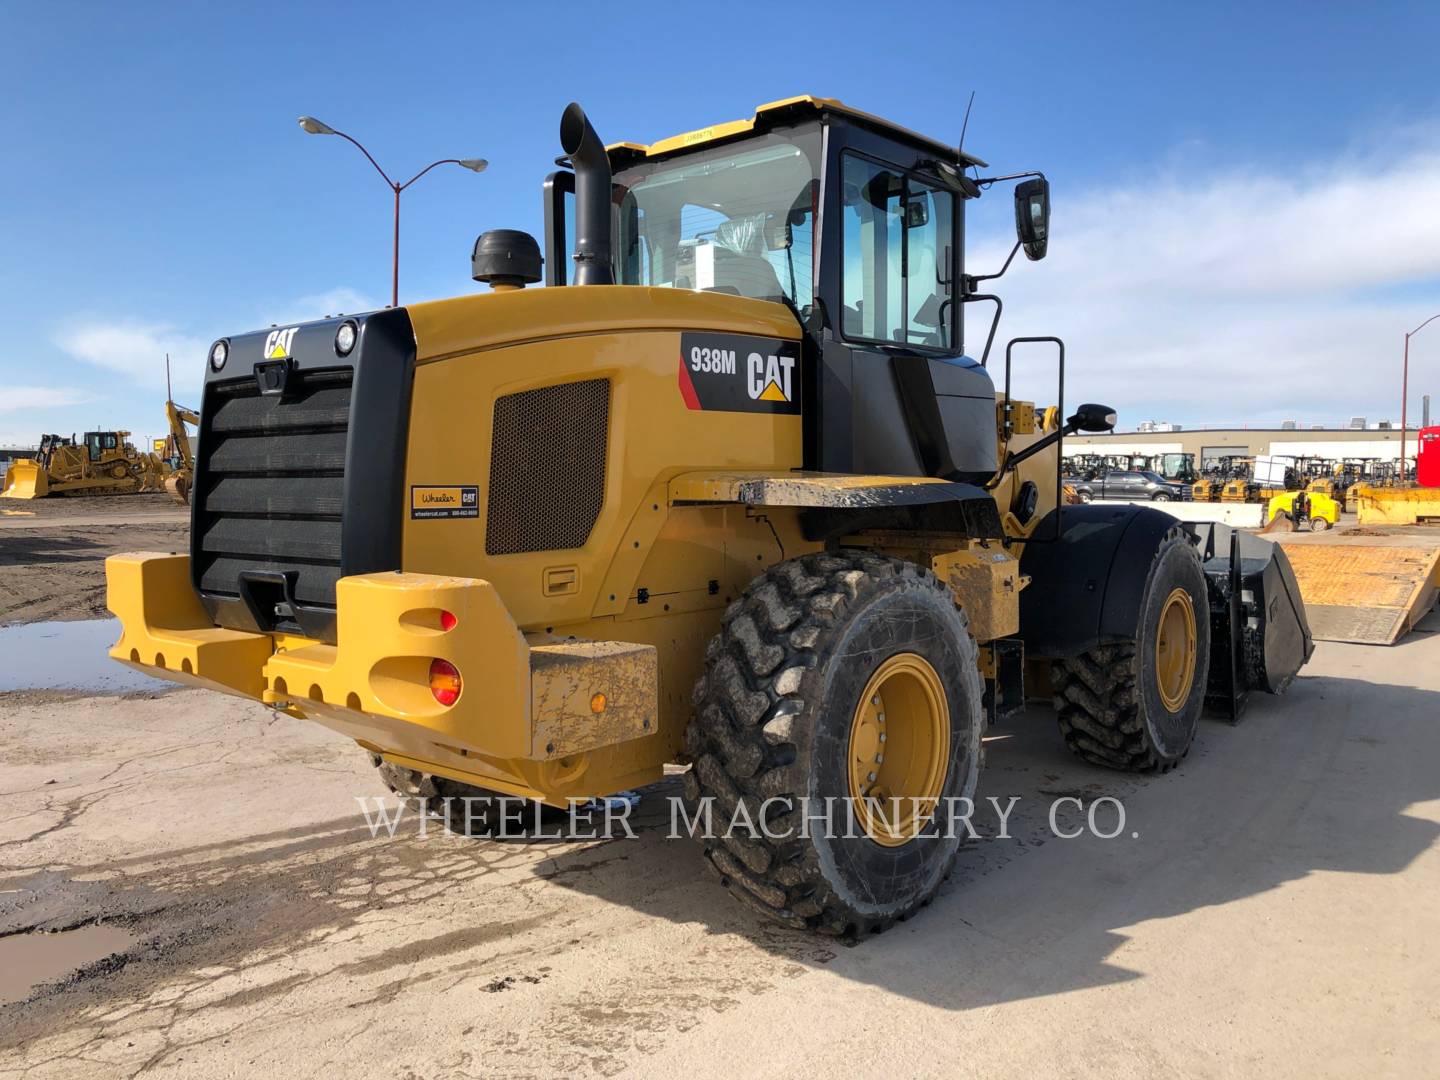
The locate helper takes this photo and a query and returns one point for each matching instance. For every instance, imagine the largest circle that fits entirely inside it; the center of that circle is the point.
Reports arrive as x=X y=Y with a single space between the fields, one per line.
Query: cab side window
x=898 y=247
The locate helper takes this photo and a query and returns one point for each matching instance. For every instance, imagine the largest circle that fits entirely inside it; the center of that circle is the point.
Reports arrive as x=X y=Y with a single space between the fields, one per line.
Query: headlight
x=345 y=338
x=219 y=353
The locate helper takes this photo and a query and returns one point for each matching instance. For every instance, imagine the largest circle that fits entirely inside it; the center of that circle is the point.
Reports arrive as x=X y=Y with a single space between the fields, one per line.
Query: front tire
x=1135 y=704
x=1162 y=496
x=837 y=676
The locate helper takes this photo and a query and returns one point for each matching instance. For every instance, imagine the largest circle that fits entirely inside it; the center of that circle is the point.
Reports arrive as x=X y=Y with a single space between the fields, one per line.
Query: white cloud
x=337 y=301
x=136 y=349
x=1228 y=294
x=22 y=398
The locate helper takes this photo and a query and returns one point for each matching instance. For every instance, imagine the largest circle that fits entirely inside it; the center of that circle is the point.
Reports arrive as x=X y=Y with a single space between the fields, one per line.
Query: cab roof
x=774 y=111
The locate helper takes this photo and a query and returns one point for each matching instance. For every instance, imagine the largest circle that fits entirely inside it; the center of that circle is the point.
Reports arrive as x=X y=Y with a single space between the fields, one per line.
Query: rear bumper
x=524 y=717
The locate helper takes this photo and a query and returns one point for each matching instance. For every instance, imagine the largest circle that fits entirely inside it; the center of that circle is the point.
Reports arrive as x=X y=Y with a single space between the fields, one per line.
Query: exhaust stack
x=593 y=265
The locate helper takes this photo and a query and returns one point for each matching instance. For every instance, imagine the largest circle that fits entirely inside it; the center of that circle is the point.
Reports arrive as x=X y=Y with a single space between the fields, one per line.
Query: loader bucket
x=1259 y=636
x=1280 y=522
x=25 y=479
x=178 y=485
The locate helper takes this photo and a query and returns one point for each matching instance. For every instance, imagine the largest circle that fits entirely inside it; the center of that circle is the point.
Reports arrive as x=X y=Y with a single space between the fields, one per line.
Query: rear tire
x=1135 y=705
x=788 y=700
x=1319 y=524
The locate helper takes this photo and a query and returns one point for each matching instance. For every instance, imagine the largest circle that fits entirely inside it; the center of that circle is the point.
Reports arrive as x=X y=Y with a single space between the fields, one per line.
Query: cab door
x=895 y=396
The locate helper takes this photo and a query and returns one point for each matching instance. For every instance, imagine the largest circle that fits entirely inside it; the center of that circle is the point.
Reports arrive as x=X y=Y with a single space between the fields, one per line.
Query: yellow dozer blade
x=26 y=479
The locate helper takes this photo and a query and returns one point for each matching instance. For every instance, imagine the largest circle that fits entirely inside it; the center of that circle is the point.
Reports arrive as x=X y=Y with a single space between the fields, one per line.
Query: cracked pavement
x=1275 y=913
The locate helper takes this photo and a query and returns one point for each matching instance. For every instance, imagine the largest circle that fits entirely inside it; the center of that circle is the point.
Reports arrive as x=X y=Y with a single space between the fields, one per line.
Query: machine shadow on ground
x=23 y=548
x=1318 y=780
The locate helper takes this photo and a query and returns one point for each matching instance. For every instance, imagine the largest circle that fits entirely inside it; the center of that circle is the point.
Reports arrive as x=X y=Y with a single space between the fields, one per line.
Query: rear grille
x=272 y=472
x=547 y=467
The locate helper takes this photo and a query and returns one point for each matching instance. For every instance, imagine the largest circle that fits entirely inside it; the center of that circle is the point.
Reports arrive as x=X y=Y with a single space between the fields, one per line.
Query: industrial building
x=10 y=453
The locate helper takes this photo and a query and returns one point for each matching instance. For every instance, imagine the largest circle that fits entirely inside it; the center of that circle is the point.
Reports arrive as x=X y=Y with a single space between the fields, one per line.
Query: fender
x=1086 y=588
x=833 y=504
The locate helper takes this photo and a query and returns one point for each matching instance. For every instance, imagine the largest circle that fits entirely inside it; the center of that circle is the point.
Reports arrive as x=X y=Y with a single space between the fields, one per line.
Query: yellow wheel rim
x=1175 y=644
x=899 y=749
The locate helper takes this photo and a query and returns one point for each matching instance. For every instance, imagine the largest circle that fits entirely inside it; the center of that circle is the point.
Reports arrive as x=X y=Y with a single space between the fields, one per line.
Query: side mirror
x=1093 y=418
x=917 y=213
x=1032 y=216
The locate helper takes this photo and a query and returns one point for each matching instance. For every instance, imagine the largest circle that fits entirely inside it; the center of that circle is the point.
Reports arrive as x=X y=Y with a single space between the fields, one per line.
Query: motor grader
x=102 y=463
x=729 y=492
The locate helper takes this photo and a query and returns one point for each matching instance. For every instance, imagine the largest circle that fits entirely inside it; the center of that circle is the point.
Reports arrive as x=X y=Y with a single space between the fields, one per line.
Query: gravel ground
x=52 y=551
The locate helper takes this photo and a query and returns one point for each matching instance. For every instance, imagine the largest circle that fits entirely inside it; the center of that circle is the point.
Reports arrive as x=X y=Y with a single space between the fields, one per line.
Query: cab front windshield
x=738 y=219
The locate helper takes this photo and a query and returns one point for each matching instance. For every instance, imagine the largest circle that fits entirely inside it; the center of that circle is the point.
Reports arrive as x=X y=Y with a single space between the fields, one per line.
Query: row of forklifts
x=1309 y=492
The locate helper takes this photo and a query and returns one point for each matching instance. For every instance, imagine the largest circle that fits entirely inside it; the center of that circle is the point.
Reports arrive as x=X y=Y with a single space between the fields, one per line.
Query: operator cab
x=856 y=225
x=98 y=443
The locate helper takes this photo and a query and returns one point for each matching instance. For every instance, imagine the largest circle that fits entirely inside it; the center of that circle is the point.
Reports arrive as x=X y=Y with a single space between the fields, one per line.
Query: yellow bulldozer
x=730 y=493
x=102 y=463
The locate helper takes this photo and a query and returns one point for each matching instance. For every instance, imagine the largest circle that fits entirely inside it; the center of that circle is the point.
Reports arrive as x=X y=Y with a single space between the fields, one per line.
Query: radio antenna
x=168 y=395
x=966 y=124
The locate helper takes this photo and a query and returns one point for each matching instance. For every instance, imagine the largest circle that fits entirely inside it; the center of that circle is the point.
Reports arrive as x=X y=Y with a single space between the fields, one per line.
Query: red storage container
x=1427 y=468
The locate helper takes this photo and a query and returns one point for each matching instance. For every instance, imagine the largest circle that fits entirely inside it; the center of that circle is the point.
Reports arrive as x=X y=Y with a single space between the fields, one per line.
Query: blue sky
x=1240 y=190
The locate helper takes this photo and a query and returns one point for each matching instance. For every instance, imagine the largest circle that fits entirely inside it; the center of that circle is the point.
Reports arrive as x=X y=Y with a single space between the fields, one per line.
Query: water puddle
x=28 y=960
x=67 y=656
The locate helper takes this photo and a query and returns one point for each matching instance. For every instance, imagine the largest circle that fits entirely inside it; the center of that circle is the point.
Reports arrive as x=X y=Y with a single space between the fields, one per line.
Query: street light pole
x=311 y=126
x=1405 y=389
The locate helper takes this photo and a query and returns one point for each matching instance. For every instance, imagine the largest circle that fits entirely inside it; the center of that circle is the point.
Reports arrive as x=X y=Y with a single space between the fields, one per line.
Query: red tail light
x=444 y=682
x=447 y=621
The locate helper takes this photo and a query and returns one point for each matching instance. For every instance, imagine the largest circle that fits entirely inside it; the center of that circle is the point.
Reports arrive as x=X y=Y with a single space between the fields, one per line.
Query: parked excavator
x=177 y=451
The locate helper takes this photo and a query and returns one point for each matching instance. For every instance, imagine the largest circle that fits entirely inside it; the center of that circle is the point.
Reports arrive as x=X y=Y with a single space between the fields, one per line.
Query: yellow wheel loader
x=103 y=463
x=1293 y=510
x=728 y=493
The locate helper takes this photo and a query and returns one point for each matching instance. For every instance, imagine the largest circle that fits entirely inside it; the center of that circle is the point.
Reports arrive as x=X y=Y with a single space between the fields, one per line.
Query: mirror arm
x=1070 y=427
x=988 y=180
x=971 y=280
